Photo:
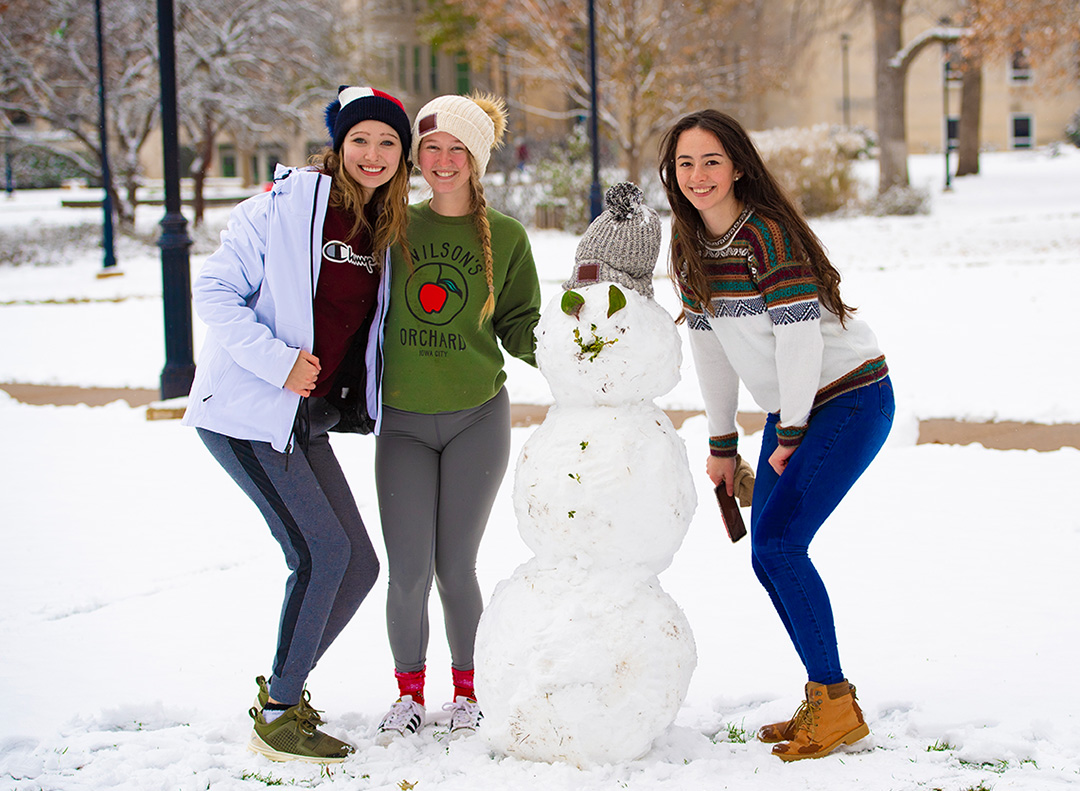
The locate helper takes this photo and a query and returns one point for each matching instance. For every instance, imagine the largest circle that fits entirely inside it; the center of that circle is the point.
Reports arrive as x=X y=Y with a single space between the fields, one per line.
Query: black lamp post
x=9 y=175
x=945 y=52
x=845 y=107
x=109 y=265
x=179 y=370
x=596 y=201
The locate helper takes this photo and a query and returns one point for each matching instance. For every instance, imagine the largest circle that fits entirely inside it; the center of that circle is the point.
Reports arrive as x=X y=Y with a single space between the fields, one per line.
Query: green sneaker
x=263 y=697
x=293 y=737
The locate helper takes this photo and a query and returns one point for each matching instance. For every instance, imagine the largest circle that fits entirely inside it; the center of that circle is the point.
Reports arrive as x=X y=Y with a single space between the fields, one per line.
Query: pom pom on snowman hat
x=621 y=245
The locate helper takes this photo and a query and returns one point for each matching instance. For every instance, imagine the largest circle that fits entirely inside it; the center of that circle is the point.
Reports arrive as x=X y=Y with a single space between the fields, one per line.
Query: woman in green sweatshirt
x=468 y=284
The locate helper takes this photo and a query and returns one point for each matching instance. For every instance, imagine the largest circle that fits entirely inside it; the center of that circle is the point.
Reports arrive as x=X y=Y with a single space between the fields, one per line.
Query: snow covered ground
x=140 y=588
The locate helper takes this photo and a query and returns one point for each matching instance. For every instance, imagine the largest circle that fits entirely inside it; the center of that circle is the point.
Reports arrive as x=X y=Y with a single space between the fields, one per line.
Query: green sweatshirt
x=438 y=358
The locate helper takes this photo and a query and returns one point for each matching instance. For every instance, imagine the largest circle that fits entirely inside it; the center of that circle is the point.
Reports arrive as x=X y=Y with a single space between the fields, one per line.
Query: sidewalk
x=998 y=436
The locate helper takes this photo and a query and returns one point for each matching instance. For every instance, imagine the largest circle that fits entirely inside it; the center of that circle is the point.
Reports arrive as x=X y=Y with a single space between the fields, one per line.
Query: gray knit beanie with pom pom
x=621 y=245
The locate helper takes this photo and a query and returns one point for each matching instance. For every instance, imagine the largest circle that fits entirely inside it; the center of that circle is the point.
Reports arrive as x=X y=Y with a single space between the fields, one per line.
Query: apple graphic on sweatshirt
x=436 y=293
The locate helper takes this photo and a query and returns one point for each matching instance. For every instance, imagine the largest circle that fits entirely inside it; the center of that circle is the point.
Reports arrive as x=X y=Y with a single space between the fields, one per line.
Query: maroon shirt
x=348 y=284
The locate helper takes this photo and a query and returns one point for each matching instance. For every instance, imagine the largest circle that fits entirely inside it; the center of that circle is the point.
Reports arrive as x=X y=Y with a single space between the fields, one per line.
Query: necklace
x=713 y=246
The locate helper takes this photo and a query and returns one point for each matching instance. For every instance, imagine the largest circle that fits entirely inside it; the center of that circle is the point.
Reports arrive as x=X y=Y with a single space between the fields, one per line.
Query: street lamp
x=109 y=265
x=179 y=370
x=945 y=52
x=596 y=204
x=9 y=175
x=845 y=107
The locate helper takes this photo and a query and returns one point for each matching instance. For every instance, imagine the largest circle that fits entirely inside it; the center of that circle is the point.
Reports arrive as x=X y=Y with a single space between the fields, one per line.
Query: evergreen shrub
x=1072 y=130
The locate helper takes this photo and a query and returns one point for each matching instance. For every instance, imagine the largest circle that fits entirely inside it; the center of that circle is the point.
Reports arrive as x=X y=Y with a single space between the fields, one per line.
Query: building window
x=462 y=74
x=187 y=159
x=954 y=133
x=953 y=64
x=271 y=155
x=1022 y=132
x=417 y=71
x=227 y=160
x=434 y=70
x=1020 y=67
x=403 y=79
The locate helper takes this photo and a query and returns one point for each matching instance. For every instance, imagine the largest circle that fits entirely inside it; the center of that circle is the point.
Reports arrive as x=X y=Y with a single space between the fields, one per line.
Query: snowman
x=581 y=655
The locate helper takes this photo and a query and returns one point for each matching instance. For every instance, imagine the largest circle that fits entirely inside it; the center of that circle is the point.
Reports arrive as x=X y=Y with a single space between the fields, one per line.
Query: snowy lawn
x=140 y=591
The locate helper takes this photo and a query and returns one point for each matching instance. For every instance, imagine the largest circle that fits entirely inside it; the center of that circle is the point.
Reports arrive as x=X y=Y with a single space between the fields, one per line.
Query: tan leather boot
x=834 y=718
x=784 y=731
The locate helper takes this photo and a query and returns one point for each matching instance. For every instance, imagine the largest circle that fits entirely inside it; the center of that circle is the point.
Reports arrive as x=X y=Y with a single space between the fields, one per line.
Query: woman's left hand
x=779 y=458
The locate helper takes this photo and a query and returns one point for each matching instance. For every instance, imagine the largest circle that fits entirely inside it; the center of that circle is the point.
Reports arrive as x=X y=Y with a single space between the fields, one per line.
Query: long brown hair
x=755 y=188
x=390 y=201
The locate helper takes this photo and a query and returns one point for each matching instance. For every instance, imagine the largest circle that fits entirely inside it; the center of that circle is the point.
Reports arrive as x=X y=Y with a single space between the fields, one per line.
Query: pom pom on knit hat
x=621 y=245
x=477 y=120
x=359 y=103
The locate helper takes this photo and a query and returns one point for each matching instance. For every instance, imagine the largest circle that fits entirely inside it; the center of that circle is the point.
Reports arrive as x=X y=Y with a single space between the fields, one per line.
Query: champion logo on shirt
x=342 y=253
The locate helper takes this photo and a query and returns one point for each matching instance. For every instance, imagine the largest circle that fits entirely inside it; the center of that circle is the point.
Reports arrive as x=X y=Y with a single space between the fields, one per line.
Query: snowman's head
x=621 y=245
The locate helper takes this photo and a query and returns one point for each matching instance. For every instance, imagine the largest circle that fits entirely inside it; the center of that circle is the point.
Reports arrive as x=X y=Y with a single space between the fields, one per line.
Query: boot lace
x=802 y=716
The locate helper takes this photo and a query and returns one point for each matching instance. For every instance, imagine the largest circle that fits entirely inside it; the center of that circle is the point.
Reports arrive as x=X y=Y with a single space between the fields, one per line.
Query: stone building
x=830 y=82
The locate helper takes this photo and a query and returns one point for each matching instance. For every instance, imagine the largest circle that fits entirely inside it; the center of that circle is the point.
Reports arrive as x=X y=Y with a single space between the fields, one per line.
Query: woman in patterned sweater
x=762 y=304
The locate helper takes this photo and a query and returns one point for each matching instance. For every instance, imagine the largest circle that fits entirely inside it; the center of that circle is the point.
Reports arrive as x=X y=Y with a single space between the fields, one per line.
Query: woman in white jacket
x=294 y=301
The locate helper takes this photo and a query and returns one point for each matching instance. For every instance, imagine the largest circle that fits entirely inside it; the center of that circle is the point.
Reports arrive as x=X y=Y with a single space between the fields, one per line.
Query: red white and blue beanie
x=355 y=104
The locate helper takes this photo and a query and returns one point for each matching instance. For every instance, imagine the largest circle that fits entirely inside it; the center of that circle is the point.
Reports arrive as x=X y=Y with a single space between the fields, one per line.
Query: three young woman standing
x=305 y=278
x=762 y=305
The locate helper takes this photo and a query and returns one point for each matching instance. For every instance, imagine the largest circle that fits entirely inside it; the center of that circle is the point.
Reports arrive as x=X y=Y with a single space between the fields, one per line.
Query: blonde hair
x=478 y=209
x=390 y=200
x=495 y=108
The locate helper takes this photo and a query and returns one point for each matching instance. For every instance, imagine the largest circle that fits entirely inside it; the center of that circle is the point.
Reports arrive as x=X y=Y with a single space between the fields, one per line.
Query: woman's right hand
x=304 y=374
x=721 y=468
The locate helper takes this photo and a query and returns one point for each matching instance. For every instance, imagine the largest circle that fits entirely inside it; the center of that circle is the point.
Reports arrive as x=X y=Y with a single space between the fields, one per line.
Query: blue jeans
x=842 y=438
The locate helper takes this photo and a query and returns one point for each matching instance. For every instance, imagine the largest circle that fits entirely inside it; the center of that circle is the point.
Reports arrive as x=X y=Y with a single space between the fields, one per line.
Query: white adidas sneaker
x=406 y=716
x=465 y=716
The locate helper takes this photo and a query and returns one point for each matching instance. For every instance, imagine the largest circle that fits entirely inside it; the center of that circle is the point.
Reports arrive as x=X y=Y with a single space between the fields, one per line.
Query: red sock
x=411 y=684
x=463 y=684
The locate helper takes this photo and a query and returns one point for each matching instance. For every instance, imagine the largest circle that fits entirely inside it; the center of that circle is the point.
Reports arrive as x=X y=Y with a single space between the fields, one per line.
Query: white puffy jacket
x=255 y=294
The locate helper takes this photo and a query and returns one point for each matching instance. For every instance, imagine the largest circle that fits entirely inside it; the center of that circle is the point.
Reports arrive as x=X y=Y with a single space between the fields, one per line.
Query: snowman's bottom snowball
x=585 y=667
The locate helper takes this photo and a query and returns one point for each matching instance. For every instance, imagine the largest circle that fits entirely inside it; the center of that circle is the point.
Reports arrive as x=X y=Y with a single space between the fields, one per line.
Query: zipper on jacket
x=311 y=278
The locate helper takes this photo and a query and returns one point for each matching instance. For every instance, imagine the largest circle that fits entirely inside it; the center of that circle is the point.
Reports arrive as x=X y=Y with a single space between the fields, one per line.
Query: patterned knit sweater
x=764 y=325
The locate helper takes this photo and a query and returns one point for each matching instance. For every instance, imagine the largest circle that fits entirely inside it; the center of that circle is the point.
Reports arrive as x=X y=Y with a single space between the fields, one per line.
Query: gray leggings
x=437 y=477
x=306 y=502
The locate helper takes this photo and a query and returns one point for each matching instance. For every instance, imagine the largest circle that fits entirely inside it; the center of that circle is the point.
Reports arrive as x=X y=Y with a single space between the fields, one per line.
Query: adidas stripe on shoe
x=465 y=716
x=406 y=716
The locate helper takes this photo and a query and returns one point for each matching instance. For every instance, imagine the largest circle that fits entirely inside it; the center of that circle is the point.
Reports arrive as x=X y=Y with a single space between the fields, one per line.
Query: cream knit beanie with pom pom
x=478 y=121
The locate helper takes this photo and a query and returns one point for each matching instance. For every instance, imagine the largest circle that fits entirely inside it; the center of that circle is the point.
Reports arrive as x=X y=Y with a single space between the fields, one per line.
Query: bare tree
x=891 y=62
x=1039 y=30
x=656 y=59
x=970 y=115
x=985 y=29
x=249 y=66
x=49 y=73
